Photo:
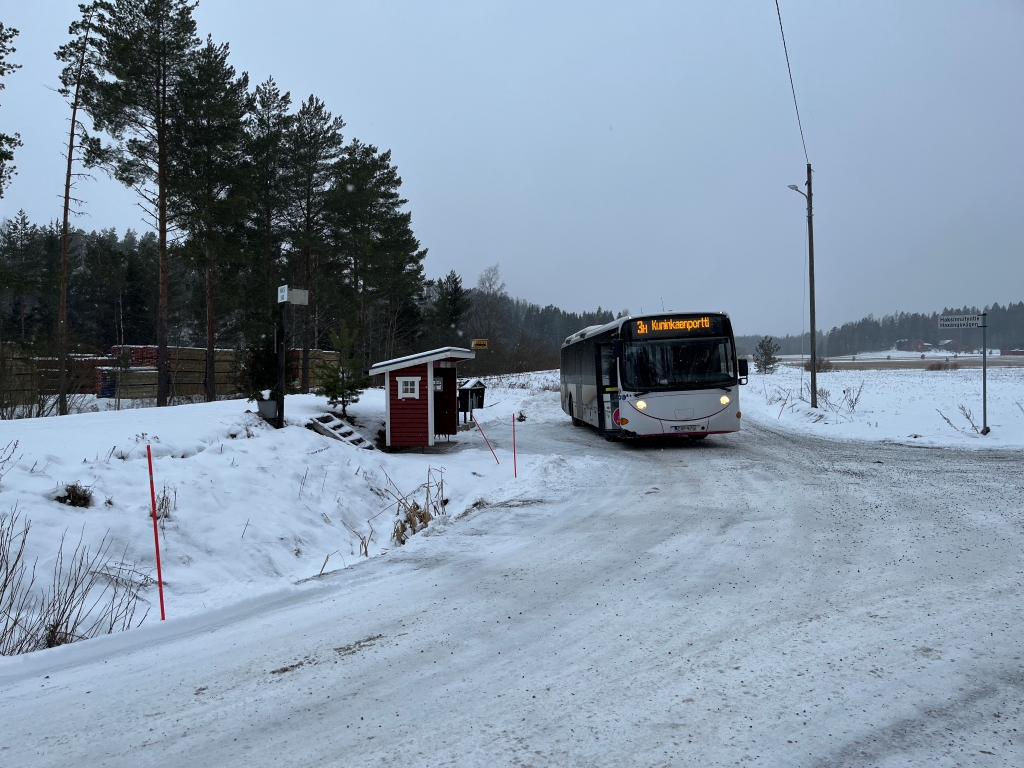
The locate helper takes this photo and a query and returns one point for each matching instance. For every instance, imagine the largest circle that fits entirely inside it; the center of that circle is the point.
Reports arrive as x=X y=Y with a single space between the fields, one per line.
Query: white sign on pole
x=288 y=295
x=960 y=321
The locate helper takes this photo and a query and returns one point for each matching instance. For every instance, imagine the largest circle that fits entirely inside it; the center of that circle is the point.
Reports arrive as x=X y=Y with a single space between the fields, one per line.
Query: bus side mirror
x=617 y=348
x=744 y=369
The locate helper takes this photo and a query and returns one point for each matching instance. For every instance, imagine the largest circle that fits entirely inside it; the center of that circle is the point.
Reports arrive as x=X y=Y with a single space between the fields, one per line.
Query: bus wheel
x=575 y=422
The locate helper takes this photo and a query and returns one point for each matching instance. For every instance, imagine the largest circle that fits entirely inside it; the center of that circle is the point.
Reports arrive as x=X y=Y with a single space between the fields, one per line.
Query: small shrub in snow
x=851 y=397
x=76 y=495
x=166 y=503
x=966 y=412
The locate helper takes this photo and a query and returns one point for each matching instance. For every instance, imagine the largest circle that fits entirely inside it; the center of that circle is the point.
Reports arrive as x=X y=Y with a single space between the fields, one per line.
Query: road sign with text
x=960 y=321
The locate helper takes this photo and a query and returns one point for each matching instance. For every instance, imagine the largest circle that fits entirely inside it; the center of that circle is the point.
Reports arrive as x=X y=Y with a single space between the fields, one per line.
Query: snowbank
x=252 y=509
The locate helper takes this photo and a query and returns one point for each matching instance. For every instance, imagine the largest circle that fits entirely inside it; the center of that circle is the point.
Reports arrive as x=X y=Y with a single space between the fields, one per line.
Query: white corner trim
x=387 y=408
x=430 y=403
x=408 y=387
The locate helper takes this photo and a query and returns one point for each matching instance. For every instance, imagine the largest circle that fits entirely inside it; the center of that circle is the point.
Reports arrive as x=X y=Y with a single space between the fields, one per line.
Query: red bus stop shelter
x=422 y=396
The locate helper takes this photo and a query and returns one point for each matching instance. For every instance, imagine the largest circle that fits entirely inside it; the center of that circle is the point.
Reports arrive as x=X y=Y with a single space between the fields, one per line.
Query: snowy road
x=758 y=598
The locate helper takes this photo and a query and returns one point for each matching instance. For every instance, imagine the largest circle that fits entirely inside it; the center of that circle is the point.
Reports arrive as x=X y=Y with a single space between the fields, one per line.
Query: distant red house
x=913 y=345
x=422 y=396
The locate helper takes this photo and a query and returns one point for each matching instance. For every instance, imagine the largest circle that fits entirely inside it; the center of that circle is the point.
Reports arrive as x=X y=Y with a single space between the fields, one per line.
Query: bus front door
x=608 y=391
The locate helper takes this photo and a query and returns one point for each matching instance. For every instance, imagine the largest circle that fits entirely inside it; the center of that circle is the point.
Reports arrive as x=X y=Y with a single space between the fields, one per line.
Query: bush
x=824 y=365
x=76 y=495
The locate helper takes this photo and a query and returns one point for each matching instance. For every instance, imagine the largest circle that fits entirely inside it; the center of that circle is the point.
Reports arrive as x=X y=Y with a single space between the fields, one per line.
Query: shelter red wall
x=409 y=417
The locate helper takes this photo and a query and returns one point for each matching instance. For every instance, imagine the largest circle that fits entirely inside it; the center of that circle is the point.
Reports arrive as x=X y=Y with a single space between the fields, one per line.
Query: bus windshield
x=672 y=364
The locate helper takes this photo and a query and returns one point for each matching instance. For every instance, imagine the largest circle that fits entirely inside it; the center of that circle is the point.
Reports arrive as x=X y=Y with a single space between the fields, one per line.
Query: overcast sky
x=629 y=154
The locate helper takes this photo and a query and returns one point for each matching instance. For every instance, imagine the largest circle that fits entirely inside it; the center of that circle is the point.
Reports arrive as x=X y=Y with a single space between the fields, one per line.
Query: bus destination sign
x=675 y=327
x=644 y=327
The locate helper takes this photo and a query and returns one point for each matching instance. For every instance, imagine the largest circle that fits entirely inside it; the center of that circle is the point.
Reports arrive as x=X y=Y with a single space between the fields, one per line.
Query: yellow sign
x=479 y=343
x=672 y=324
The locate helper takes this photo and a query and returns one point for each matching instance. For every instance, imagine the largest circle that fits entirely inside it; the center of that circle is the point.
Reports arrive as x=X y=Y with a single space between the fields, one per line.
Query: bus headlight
x=641 y=405
x=724 y=400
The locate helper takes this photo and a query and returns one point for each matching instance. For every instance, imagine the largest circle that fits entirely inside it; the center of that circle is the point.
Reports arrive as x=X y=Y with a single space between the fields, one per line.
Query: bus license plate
x=688 y=428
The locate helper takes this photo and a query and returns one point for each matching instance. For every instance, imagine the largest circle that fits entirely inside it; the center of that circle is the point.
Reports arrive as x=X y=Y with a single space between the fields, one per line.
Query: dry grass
x=90 y=593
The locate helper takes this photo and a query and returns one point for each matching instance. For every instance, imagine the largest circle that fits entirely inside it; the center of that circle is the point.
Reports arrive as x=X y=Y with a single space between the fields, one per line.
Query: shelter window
x=408 y=387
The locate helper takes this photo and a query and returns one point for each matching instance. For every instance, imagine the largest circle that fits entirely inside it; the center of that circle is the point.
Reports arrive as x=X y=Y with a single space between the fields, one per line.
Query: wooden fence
x=130 y=372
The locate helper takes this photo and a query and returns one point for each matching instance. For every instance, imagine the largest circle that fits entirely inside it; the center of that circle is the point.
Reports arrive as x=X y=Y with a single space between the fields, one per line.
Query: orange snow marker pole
x=515 y=472
x=485 y=436
x=156 y=535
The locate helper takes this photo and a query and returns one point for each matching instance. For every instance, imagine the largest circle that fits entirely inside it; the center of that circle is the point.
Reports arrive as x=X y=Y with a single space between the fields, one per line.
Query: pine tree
x=267 y=126
x=207 y=191
x=312 y=145
x=766 y=355
x=80 y=58
x=145 y=50
x=8 y=142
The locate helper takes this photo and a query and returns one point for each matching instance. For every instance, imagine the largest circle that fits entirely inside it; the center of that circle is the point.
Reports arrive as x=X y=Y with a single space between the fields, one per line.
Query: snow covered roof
x=473 y=384
x=444 y=353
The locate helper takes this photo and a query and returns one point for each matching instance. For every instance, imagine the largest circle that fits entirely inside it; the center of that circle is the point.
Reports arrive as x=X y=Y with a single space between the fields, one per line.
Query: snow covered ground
x=907 y=406
x=800 y=593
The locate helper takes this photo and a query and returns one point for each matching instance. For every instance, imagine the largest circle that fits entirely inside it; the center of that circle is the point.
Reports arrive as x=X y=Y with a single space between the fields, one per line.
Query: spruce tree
x=145 y=47
x=383 y=259
x=344 y=381
x=445 y=317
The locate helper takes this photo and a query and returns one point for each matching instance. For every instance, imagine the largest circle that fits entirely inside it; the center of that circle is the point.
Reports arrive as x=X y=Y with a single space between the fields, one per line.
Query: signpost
x=285 y=295
x=975 y=321
x=480 y=343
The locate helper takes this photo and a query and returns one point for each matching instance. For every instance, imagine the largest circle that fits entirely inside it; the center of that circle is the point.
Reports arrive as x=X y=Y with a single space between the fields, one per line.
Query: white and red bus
x=674 y=373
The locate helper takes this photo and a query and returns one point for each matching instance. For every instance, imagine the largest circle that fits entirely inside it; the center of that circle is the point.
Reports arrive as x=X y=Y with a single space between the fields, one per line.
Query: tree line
x=244 y=190
x=871 y=334
x=877 y=334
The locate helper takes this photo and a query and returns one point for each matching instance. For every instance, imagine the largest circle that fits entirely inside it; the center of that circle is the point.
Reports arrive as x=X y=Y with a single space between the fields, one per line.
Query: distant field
x=846 y=364
x=906 y=362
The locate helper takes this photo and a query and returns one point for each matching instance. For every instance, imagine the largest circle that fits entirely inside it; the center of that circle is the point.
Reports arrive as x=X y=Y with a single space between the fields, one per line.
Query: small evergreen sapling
x=344 y=381
x=766 y=355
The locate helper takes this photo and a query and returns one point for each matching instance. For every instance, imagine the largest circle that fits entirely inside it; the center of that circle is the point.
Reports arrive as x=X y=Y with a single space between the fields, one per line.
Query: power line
x=791 y=86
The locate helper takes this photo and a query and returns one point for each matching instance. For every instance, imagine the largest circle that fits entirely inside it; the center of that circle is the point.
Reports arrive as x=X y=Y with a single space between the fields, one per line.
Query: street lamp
x=810 y=262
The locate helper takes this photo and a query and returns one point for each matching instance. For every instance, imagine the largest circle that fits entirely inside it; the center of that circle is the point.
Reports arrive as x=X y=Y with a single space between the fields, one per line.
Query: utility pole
x=810 y=263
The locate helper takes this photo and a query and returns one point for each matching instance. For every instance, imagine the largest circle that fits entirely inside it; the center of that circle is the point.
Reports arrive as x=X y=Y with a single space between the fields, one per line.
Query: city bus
x=673 y=373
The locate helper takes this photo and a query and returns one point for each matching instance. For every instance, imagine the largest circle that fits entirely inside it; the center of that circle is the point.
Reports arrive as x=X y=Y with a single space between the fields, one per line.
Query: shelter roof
x=444 y=353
